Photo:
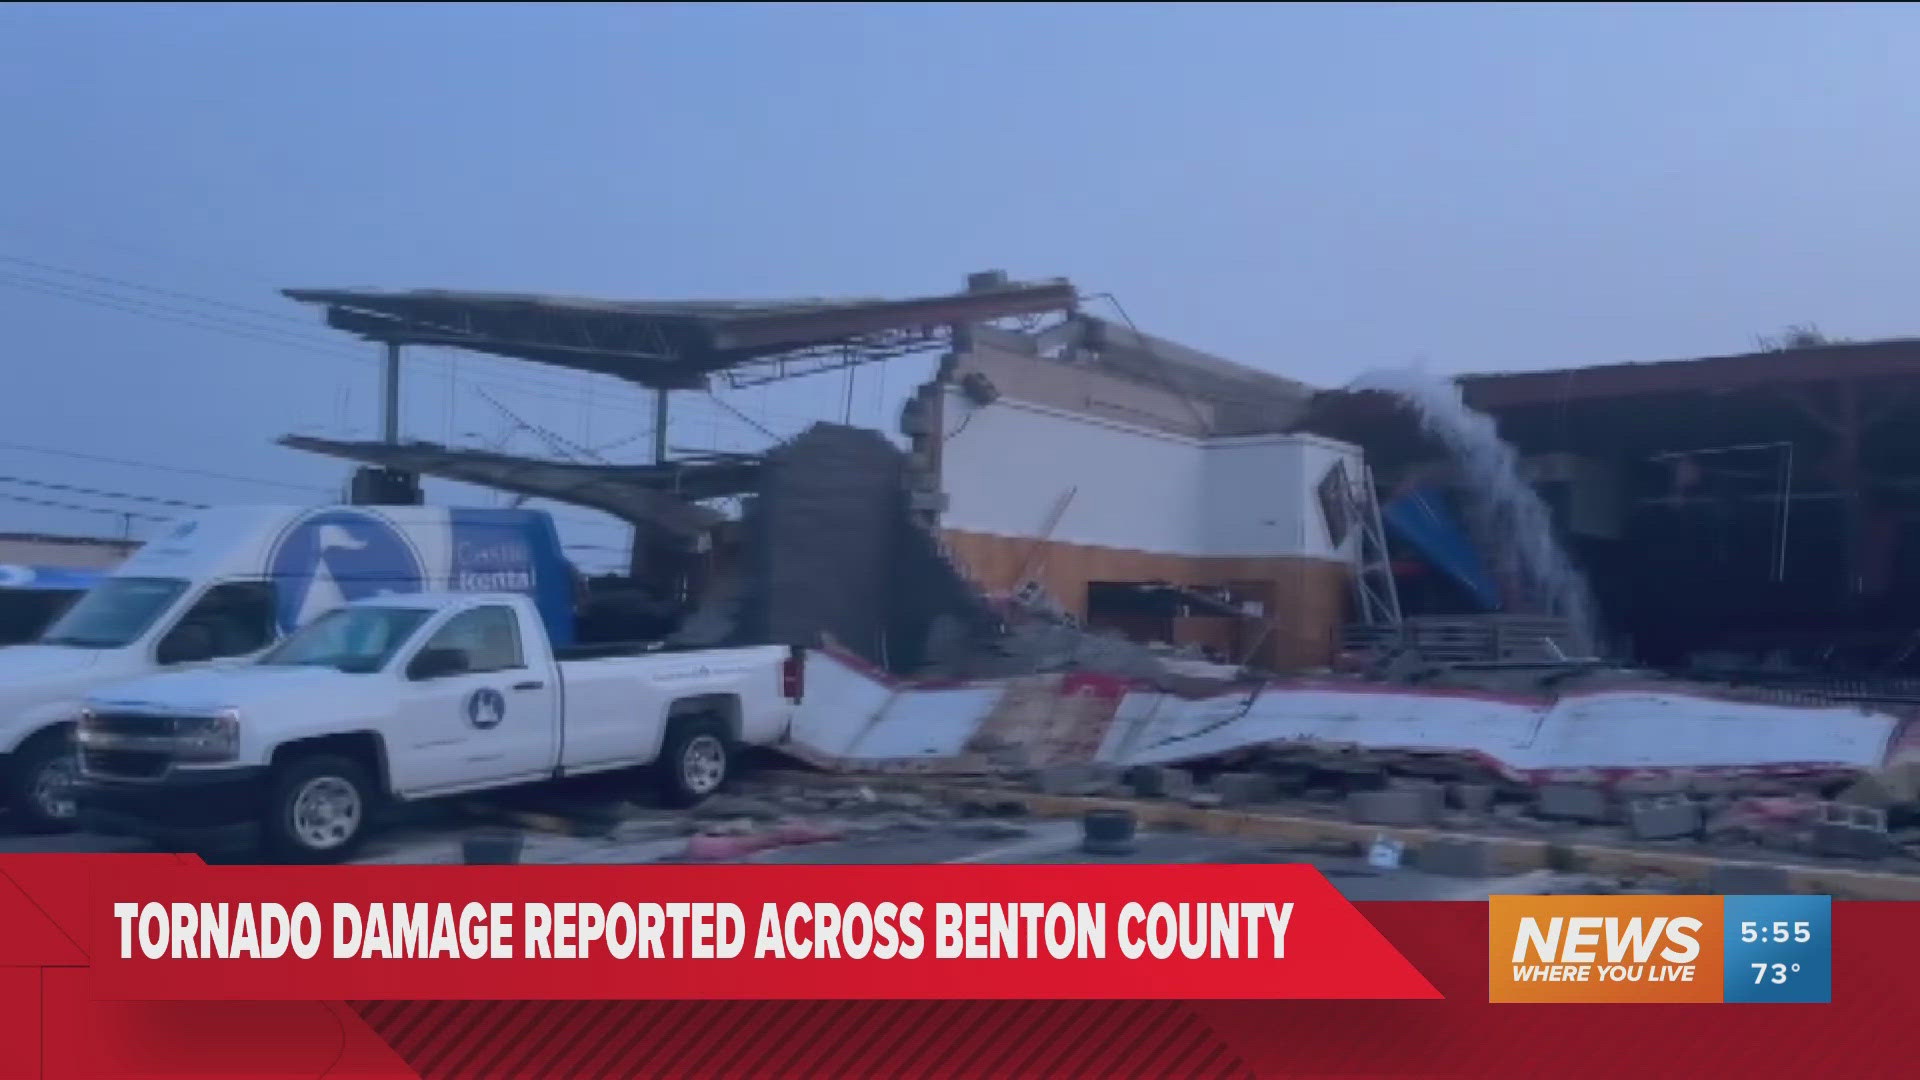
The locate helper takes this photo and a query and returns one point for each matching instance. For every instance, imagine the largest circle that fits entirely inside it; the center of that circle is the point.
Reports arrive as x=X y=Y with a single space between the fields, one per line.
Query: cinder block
x=1640 y=787
x=1243 y=788
x=1457 y=858
x=1747 y=879
x=1851 y=832
x=1666 y=818
x=1159 y=781
x=1848 y=842
x=1712 y=784
x=1075 y=779
x=1431 y=792
x=1855 y=815
x=1573 y=802
x=1394 y=806
x=1473 y=798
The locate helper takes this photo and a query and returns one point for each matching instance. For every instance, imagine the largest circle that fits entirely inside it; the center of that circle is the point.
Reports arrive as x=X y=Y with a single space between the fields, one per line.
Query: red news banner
x=182 y=930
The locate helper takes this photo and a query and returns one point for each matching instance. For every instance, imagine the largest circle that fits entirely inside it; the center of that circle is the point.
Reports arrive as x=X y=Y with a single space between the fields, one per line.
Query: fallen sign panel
x=856 y=717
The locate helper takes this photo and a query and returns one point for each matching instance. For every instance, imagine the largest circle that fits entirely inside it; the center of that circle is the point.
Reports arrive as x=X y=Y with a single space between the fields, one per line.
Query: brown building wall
x=1305 y=599
x=72 y=552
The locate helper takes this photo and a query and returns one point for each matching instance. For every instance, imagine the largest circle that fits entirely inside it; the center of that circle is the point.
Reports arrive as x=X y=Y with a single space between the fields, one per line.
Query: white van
x=224 y=585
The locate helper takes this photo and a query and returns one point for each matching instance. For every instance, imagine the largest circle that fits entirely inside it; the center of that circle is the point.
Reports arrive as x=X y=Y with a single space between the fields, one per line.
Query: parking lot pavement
x=1037 y=842
x=1042 y=842
x=87 y=843
x=849 y=824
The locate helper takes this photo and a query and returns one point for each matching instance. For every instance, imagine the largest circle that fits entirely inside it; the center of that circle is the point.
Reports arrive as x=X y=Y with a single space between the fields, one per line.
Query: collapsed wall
x=833 y=554
x=1605 y=730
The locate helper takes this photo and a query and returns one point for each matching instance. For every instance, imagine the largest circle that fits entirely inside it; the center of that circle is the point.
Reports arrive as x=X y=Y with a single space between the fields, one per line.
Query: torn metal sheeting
x=662 y=495
x=857 y=719
x=670 y=345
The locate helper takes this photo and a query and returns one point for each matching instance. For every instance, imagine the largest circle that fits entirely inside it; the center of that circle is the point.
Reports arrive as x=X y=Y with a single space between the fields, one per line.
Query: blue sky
x=1313 y=190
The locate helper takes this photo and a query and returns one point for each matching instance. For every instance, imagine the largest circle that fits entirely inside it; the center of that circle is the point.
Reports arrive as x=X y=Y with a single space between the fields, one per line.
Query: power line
x=521 y=382
x=98 y=493
x=221 y=323
x=717 y=400
x=84 y=509
x=279 y=316
x=167 y=313
x=550 y=384
x=182 y=470
x=565 y=448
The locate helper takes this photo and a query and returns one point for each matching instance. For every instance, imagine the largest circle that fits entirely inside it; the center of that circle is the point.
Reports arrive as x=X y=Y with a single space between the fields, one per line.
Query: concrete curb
x=1507 y=853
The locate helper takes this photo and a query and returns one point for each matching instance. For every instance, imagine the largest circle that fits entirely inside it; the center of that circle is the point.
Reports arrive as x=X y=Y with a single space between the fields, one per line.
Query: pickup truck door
x=491 y=720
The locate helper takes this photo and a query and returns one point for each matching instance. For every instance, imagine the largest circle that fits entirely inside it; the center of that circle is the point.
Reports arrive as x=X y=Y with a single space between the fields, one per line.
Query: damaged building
x=1143 y=488
x=1732 y=514
x=1056 y=462
x=829 y=548
x=1090 y=548
x=1747 y=515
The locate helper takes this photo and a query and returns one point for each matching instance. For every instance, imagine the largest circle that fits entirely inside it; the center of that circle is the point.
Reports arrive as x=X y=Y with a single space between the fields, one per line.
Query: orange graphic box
x=1605 y=948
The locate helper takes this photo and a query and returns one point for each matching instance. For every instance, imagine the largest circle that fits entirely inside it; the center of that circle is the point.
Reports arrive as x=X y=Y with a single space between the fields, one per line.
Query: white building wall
x=1251 y=498
x=1005 y=466
x=76 y=553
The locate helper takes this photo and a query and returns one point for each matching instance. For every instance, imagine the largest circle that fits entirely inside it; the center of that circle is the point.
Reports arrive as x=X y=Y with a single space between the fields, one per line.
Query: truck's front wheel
x=695 y=760
x=318 y=809
x=40 y=782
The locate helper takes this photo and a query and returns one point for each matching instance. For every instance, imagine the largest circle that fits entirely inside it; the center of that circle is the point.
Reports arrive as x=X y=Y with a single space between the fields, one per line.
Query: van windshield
x=114 y=613
x=358 y=640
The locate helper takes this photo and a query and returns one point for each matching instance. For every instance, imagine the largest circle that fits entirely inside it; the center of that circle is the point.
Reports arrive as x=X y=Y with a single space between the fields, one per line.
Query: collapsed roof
x=1637 y=409
x=677 y=345
x=1088 y=365
x=663 y=494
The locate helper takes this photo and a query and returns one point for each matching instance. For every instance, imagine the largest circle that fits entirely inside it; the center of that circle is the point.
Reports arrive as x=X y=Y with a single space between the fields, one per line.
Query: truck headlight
x=207 y=738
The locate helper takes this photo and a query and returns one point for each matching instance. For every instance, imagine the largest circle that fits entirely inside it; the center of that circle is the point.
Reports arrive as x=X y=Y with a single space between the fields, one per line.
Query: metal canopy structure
x=664 y=495
x=678 y=345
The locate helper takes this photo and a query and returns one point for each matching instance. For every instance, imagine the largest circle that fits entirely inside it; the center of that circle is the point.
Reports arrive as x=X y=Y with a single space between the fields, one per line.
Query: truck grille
x=130 y=764
x=136 y=724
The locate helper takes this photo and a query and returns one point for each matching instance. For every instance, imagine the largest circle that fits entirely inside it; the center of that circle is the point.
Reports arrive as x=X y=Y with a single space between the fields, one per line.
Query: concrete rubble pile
x=1608 y=752
x=913 y=669
x=833 y=555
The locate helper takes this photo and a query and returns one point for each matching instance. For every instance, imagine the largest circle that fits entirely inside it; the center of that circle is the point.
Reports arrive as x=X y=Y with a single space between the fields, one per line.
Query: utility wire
x=98 y=493
x=1160 y=364
x=84 y=509
x=553 y=388
x=278 y=316
x=755 y=424
x=558 y=445
x=203 y=473
x=225 y=323
x=167 y=313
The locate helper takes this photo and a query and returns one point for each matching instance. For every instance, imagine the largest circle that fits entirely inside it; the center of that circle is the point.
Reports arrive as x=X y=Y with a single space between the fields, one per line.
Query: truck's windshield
x=353 y=639
x=114 y=613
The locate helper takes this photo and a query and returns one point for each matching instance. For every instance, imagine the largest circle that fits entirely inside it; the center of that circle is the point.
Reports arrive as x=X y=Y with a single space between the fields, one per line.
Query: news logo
x=1659 y=948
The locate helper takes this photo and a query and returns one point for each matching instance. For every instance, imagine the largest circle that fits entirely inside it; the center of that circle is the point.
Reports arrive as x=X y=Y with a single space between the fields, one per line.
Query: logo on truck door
x=486 y=708
x=339 y=555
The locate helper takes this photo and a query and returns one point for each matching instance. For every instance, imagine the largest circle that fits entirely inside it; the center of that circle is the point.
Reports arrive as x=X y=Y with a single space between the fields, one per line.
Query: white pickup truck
x=409 y=697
